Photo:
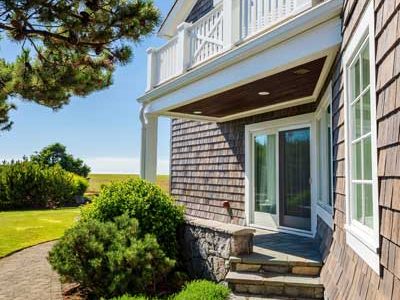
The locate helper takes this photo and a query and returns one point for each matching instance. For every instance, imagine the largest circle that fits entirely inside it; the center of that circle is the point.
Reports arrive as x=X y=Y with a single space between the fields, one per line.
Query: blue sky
x=103 y=128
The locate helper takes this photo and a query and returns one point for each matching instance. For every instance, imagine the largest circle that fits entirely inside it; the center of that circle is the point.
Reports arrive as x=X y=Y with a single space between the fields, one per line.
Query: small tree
x=56 y=154
x=68 y=48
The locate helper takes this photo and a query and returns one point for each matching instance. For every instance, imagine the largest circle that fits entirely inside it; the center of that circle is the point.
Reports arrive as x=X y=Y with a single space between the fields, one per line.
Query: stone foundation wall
x=208 y=245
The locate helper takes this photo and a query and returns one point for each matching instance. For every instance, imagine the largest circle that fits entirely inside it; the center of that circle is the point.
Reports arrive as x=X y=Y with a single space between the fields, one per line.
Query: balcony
x=229 y=24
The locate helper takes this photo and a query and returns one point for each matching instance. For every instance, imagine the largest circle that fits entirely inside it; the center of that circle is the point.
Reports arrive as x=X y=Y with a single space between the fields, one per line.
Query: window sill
x=364 y=246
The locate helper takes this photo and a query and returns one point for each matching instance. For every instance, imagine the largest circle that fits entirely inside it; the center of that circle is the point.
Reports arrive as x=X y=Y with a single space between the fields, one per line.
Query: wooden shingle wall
x=201 y=8
x=207 y=165
x=346 y=275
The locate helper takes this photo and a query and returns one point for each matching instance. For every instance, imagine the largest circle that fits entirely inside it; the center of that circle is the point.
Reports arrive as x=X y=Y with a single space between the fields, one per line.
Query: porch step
x=266 y=260
x=275 y=284
x=281 y=265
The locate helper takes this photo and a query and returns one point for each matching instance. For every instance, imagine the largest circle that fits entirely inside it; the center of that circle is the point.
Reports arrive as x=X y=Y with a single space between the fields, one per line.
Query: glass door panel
x=265 y=204
x=294 y=179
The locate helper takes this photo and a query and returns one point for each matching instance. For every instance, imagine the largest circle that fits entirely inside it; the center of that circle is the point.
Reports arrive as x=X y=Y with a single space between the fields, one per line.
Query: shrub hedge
x=195 y=290
x=109 y=259
x=155 y=210
x=28 y=185
x=203 y=290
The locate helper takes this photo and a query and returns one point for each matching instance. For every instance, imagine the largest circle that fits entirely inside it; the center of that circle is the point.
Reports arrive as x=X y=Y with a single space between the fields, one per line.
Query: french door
x=282 y=178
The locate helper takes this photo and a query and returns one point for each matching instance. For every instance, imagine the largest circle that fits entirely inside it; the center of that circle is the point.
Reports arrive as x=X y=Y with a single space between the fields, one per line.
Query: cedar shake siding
x=346 y=275
x=207 y=164
x=201 y=8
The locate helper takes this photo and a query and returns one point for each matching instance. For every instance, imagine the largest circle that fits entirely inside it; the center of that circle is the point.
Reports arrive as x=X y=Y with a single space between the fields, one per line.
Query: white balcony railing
x=229 y=23
x=206 y=36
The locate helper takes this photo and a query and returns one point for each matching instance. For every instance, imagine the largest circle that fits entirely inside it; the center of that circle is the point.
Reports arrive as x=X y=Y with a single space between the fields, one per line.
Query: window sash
x=357 y=180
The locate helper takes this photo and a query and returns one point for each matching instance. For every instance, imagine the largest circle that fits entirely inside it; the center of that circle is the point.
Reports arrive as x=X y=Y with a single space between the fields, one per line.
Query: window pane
x=356 y=120
x=356 y=161
x=368 y=204
x=367 y=158
x=366 y=124
x=357 y=202
x=355 y=80
x=265 y=185
x=365 y=67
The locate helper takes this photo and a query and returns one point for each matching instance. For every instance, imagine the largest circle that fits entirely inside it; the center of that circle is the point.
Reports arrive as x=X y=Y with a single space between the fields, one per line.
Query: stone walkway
x=26 y=275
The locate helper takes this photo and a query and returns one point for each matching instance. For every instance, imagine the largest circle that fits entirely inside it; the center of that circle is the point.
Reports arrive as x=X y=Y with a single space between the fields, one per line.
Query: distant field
x=97 y=180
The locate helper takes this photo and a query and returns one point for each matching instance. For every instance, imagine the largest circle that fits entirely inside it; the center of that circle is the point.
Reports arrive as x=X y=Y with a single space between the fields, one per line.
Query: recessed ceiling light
x=301 y=71
x=197 y=112
x=263 y=93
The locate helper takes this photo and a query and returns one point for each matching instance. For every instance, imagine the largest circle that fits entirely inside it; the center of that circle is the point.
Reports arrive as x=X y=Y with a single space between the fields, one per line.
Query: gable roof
x=177 y=14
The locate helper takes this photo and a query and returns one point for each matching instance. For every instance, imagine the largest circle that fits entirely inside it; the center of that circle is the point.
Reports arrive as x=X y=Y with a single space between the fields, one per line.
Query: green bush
x=156 y=211
x=81 y=184
x=195 y=290
x=109 y=259
x=28 y=185
x=203 y=290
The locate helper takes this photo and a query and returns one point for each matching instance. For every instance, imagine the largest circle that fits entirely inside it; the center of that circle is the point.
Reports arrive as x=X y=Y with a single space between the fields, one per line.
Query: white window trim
x=364 y=241
x=325 y=211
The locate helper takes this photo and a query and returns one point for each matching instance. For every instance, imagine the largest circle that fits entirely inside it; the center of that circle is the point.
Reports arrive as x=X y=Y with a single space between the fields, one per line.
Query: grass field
x=22 y=229
x=97 y=180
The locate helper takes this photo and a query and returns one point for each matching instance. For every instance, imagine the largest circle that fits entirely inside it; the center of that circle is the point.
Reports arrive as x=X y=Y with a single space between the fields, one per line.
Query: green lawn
x=22 y=229
x=97 y=180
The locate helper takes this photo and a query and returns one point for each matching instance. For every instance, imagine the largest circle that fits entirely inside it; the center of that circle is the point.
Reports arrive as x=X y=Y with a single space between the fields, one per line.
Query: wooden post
x=232 y=21
x=148 y=152
x=151 y=69
x=183 y=53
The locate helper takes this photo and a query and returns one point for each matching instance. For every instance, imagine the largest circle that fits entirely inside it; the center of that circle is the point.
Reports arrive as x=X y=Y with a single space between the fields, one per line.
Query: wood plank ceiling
x=292 y=84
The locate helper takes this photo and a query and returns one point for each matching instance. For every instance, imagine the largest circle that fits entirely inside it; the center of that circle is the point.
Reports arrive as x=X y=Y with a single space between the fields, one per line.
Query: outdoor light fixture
x=301 y=71
x=263 y=93
x=197 y=112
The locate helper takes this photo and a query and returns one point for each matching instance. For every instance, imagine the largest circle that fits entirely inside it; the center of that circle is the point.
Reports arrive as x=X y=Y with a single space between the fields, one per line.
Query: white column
x=232 y=21
x=151 y=68
x=148 y=153
x=183 y=55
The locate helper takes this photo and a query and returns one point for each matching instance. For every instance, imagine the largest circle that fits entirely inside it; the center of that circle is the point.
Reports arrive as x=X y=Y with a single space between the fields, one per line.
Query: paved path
x=27 y=275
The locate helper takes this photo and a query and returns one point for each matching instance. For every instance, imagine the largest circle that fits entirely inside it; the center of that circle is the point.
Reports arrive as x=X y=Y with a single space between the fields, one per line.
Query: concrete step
x=274 y=284
x=266 y=260
x=242 y=296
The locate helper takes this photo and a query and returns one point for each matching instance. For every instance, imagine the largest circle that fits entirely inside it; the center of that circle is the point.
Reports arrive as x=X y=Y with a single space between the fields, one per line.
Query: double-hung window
x=361 y=175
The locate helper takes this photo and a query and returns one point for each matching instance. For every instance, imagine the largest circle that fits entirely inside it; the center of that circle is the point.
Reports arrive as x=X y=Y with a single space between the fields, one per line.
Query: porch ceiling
x=292 y=84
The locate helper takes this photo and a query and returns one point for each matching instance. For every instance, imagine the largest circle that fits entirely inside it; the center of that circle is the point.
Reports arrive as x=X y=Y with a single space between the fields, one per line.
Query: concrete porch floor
x=283 y=247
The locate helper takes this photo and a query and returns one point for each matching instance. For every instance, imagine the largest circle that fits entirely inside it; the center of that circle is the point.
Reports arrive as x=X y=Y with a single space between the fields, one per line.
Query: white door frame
x=296 y=122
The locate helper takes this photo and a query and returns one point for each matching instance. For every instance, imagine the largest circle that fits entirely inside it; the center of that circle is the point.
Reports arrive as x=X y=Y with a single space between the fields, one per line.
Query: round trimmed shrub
x=109 y=259
x=156 y=212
